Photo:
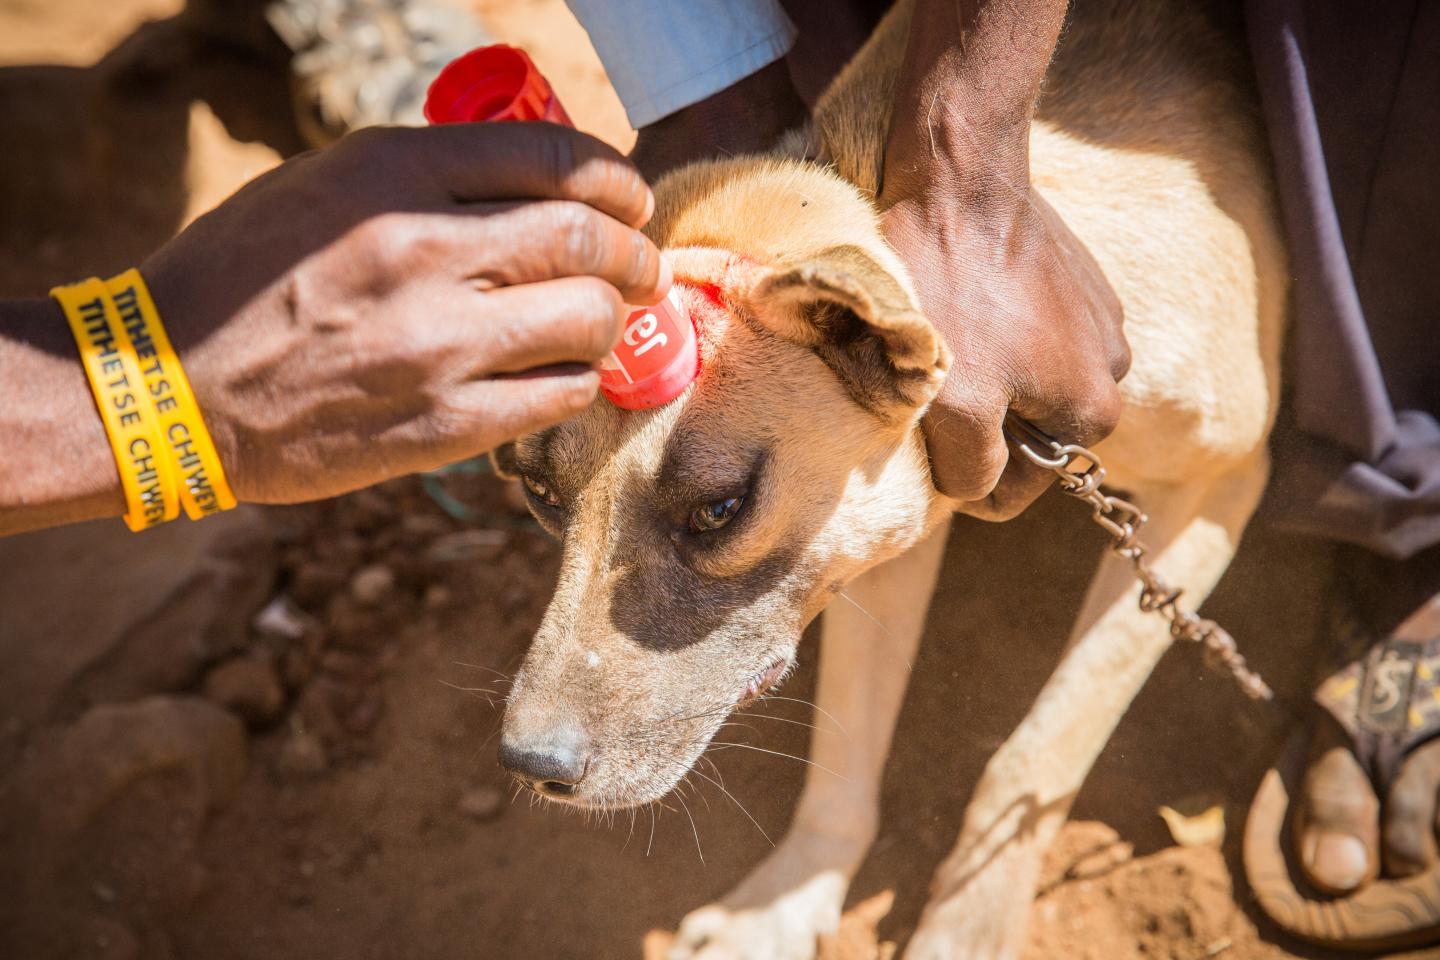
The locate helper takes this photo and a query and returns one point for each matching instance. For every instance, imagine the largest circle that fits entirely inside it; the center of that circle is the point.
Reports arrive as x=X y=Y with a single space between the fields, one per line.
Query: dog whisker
x=889 y=637
x=739 y=726
x=789 y=756
x=492 y=734
x=737 y=803
x=715 y=767
x=631 y=835
x=798 y=723
x=504 y=677
x=815 y=706
x=693 y=829
x=479 y=693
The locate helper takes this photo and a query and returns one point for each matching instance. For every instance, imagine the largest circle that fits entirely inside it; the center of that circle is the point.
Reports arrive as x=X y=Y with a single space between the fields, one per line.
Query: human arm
x=402 y=300
x=1030 y=318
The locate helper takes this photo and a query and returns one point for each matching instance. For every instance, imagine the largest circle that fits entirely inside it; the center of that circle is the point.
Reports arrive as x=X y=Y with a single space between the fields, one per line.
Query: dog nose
x=551 y=764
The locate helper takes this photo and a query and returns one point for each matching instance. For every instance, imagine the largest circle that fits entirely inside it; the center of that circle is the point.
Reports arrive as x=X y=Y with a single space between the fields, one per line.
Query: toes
x=1338 y=819
x=695 y=933
x=1410 y=814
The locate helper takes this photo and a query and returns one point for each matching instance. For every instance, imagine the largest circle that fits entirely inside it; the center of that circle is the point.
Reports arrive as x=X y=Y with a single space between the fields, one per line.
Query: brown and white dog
x=700 y=538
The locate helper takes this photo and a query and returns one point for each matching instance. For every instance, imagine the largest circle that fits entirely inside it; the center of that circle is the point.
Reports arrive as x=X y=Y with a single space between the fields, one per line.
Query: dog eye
x=540 y=492
x=715 y=515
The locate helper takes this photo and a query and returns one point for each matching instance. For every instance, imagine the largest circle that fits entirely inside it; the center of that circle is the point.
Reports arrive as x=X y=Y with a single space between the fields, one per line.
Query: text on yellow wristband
x=130 y=422
x=203 y=489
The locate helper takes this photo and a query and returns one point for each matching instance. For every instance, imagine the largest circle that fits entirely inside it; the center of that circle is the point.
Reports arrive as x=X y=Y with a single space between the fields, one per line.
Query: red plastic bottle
x=657 y=356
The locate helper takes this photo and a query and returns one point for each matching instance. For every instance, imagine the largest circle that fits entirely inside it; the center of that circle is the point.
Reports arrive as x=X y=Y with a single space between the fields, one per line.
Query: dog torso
x=804 y=424
x=1147 y=140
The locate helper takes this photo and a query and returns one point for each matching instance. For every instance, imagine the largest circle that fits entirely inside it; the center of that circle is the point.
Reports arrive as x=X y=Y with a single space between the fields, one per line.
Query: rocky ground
x=272 y=734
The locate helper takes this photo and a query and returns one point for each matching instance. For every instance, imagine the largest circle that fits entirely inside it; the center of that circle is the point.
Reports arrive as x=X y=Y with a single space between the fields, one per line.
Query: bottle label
x=651 y=339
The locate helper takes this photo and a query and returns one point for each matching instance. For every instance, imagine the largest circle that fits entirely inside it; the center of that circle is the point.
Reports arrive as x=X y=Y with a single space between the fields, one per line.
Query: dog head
x=701 y=537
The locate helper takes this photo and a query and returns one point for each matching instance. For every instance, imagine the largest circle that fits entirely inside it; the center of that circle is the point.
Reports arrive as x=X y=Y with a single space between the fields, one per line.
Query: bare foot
x=1345 y=835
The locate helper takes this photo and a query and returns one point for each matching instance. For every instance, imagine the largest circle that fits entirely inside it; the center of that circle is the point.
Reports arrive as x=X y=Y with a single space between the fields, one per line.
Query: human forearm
x=966 y=93
x=1027 y=312
x=55 y=462
x=401 y=300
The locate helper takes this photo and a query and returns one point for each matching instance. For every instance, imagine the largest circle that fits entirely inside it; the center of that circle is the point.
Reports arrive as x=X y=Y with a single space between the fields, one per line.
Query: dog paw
x=788 y=930
x=786 y=927
x=979 y=915
x=942 y=935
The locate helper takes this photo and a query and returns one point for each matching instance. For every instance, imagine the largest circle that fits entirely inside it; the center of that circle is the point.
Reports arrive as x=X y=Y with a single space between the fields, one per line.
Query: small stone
x=385 y=541
x=372 y=584
x=347 y=666
x=307 y=868
x=302 y=757
x=247 y=686
x=438 y=596
x=315 y=710
x=297 y=667
x=369 y=509
x=281 y=619
x=315 y=582
x=420 y=526
x=104 y=893
x=361 y=718
x=467 y=545
x=342 y=550
x=482 y=803
x=351 y=624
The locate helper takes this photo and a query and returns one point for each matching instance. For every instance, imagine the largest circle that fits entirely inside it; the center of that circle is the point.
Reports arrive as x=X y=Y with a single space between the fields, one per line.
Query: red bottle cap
x=497 y=82
x=658 y=355
x=656 y=358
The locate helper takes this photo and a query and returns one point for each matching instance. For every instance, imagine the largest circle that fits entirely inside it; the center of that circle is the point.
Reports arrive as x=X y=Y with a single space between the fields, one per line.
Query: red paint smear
x=711 y=293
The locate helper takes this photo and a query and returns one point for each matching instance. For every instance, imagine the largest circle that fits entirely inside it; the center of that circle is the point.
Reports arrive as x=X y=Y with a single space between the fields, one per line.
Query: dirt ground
x=273 y=734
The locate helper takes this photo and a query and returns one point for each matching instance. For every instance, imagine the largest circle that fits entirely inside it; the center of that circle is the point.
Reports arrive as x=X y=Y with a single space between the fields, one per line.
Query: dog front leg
x=868 y=641
x=982 y=893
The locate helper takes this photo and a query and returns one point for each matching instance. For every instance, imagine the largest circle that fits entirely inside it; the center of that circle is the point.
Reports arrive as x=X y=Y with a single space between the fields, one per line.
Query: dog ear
x=862 y=322
x=502 y=461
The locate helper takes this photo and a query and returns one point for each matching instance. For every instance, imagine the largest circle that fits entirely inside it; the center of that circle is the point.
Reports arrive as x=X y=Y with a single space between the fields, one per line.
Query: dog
x=700 y=538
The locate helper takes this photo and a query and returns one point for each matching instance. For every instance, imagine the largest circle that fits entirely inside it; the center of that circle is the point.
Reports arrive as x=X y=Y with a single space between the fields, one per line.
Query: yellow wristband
x=203 y=488
x=130 y=422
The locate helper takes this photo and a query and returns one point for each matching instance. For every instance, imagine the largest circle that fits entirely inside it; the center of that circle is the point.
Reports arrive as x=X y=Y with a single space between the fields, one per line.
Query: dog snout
x=552 y=763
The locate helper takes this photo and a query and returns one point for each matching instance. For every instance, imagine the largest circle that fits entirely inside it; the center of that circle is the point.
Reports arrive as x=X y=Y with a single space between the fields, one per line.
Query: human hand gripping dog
x=405 y=299
x=1031 y=321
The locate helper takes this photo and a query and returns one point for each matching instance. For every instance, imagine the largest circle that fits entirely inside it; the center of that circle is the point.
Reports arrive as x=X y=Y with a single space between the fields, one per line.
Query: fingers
x=971 y=459
x=515 y=161
x=1410 y=813
x=962 y=432
x=481 y=416
x=519 y=243
x=574 y=320
x=1338 y=818
x=1020 y=485
x=1089 y=416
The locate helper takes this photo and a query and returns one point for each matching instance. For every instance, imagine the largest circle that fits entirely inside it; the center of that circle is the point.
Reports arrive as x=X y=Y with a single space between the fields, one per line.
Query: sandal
x=1388 y=702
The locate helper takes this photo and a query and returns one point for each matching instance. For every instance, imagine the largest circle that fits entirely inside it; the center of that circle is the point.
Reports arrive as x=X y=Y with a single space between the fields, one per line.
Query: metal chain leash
x=1122 y=520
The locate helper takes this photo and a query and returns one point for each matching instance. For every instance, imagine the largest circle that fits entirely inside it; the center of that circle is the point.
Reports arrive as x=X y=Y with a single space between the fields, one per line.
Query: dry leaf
x=1197 y=821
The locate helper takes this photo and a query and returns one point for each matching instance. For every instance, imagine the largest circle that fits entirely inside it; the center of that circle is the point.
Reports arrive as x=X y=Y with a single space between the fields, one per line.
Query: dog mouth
x=611 y=795
x=760 y=684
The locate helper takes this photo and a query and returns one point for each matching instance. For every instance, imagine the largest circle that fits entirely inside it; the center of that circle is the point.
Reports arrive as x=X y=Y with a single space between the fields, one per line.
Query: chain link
x=1081 y=474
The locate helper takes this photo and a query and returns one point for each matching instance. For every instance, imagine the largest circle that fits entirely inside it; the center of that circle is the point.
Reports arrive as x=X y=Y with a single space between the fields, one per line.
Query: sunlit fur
x=817 y=360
